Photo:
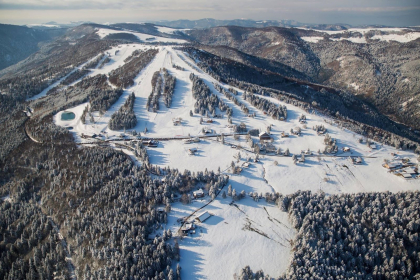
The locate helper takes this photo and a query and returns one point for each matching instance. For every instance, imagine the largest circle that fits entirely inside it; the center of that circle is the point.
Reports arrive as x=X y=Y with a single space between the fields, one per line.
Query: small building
x=264 y=136
x=405 y=160
x=198 y=194
x=203 y=216
x=410 y=170
x=405 y=175
x=192 y=140
x=392 y=165
x=321 y=132
x=192 y=151
x=150 y=143
x=296 y=130
x=187 y=227
x=207 y=130
x=177 y=121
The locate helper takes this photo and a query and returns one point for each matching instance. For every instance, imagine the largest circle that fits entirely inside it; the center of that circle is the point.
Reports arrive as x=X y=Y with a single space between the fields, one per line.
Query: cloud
x=323 y=11
x=370 y=9
x=159 y=5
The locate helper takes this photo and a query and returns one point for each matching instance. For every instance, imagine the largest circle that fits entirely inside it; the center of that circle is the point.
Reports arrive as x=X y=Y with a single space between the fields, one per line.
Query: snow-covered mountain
x=134 y=150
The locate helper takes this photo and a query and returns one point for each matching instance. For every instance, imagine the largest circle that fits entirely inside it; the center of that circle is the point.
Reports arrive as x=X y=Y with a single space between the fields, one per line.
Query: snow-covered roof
x=410 y=171
x=264 y=134
x=406 y=175
x=393 y=164
x=200 y=191
x=187 y=226
x=203 y=216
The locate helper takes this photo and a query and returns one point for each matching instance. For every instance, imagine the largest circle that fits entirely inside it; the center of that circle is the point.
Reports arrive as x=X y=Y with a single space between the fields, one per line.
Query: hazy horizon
x=357 y=12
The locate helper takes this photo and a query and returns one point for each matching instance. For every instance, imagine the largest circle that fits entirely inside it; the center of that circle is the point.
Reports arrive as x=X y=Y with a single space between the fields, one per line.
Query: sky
x=354 y=12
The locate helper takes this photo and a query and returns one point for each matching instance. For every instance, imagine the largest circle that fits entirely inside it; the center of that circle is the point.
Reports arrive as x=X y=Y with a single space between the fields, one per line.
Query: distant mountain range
x=18 y=42
x=210 y=22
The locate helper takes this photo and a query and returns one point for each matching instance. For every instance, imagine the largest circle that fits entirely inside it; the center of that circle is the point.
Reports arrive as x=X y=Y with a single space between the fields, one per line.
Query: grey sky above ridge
x=354 y=12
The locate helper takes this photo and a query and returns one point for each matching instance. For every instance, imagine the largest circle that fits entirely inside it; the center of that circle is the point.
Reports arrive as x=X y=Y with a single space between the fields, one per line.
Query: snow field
x=233 y=238
x=402 y=38
x=169 y=30
x=103 y=32
x=314 y=39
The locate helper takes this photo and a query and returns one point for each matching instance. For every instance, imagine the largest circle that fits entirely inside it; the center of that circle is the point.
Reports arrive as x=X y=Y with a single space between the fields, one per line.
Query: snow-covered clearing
x=103 y=32
x=312 y=39
x=234 y=236
x=251 y=233
x=408 y=37
x=357 y=40
x=360 y=30
x=169 y=30
x=394 y=34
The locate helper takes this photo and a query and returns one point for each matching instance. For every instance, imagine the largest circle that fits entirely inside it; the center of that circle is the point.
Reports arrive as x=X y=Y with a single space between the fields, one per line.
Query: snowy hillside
x=103 y=32
x=220 y=245
x=402 y=35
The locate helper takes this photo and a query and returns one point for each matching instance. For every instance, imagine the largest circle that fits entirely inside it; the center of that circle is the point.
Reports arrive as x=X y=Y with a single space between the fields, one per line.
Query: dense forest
x=352 y=236
x=124 y=75
x=163 y=83
x=168 y=87
x=124 y=118
x=153 y=99
x=206 y=101
x=273 y=110
x=97 y=198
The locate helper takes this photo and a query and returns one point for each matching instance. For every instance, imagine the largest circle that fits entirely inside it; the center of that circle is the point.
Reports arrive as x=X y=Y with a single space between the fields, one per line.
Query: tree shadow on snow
x=191 y=263
x=157 y=157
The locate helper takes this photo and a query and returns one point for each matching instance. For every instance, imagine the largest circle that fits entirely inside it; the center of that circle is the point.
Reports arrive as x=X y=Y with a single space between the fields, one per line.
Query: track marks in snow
x=258 y=228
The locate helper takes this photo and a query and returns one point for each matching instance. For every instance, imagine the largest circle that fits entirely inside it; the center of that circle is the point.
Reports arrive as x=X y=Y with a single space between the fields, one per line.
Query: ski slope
x=247 y=234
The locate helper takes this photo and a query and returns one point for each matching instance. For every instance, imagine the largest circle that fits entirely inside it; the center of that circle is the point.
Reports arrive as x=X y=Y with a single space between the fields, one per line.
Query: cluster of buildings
x=402 y=167
x=189 y=227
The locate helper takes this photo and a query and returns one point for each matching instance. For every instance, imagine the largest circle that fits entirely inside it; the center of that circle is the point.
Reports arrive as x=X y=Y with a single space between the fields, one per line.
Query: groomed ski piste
x=245 y=232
